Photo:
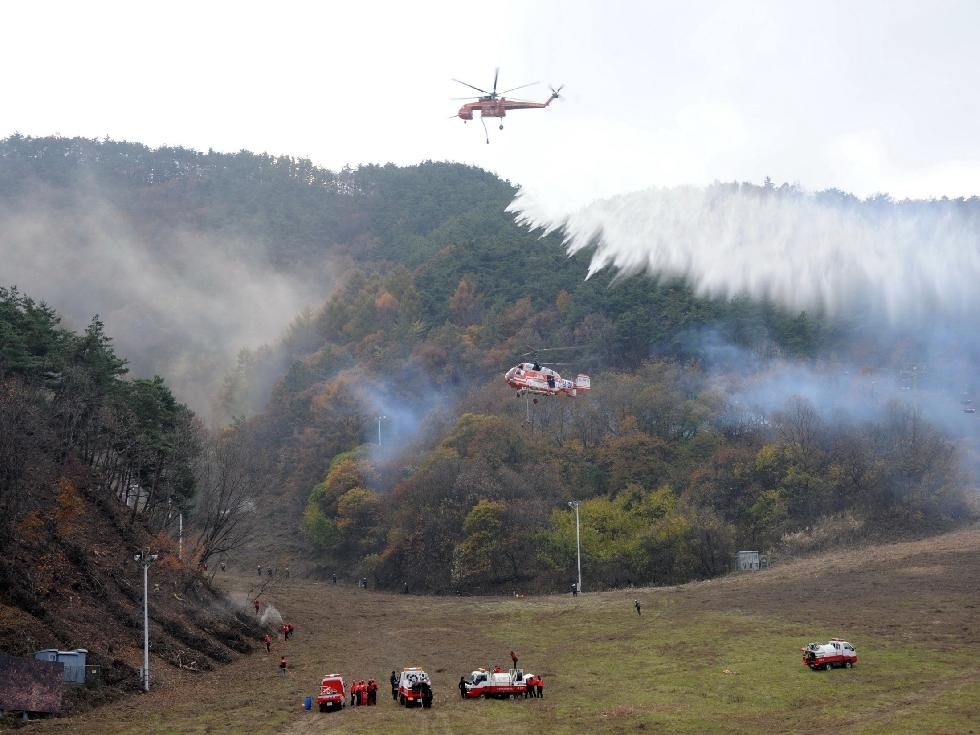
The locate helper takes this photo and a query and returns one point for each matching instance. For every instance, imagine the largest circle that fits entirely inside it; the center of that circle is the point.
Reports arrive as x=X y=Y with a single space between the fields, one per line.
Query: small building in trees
x=750 y=561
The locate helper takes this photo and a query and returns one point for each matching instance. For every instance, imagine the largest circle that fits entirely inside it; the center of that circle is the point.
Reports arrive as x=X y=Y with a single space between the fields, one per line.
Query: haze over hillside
x=161 y=248
x=723 y=414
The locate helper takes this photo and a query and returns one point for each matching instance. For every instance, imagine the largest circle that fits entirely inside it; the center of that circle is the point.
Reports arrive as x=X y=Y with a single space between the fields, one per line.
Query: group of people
x=363 y=692
x=535 y=687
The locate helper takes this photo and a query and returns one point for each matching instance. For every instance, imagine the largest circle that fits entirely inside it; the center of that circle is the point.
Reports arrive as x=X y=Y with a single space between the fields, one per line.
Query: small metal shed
x=746 y=561
x=74 y=662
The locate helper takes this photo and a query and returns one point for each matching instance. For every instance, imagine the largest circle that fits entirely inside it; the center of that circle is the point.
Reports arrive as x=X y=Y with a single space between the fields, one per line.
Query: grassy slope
x=719 y=656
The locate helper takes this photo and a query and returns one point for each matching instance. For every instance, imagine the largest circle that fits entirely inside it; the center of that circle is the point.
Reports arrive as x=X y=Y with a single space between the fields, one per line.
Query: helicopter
x=494 y=104
x=536 y=379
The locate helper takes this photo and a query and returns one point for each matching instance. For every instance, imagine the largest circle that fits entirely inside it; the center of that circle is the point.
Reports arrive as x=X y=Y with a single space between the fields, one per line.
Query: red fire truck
x=332 y=693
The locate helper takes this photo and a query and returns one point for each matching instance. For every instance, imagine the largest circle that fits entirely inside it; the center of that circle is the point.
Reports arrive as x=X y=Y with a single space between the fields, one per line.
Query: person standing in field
x=282 y=665
x=268 y=643
x=636 y=604
x=513 y=657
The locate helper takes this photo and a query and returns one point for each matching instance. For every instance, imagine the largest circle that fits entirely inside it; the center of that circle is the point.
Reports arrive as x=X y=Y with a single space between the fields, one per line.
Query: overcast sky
x=865 y=96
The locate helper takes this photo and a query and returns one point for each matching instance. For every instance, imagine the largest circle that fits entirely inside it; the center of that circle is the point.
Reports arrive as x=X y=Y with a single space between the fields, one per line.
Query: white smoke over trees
x=179 y=302
x=897 y=282
x=827 y=252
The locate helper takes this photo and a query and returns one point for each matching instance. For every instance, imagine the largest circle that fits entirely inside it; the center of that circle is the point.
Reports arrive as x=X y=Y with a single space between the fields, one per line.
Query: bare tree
x=224 y=512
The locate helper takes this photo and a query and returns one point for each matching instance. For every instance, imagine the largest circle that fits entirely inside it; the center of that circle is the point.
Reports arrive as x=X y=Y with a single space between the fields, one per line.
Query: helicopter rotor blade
x=512 y=89
x=553 y=349
x=496 y=73
x=467 y=84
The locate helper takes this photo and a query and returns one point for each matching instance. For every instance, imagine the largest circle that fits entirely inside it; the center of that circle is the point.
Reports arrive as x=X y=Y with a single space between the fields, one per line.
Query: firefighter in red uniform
x=513 y=657
x=372 y=691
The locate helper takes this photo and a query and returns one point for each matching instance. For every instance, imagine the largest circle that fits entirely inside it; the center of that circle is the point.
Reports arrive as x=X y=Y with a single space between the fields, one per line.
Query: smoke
x=898 y=282
x=840 y=391
x=827 y=252
x=271 y=617
x=177 y=303
x=397 y=420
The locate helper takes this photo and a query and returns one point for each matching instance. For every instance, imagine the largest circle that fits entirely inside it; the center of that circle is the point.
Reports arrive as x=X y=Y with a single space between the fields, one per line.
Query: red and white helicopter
x=536 y=379
x=494 y=104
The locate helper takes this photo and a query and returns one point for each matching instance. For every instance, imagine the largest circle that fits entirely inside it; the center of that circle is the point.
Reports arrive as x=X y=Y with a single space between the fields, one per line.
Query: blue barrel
x=307 y=702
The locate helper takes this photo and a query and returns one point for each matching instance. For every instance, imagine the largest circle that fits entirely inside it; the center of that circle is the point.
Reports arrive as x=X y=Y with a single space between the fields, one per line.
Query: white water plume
x=827 y=252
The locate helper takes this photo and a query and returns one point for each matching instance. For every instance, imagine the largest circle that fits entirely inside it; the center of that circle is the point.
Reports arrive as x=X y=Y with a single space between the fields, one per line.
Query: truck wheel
x=828 y=666
x=847 y=664
x=483 y=695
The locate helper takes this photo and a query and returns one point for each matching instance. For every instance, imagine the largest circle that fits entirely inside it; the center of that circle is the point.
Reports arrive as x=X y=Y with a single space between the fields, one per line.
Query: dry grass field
x=710 y=657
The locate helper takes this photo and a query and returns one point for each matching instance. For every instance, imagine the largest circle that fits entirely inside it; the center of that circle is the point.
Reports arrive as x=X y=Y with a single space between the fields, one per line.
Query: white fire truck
x=837 y=652
x=414 y=688
x=495 y=682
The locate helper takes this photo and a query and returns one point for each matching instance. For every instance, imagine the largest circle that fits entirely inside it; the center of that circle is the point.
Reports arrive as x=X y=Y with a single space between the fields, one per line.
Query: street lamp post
x=380 y=419
x=578 y=543
x=145 y=558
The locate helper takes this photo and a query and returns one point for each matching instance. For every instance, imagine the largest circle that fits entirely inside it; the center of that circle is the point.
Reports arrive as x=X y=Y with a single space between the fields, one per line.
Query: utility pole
x=578 y=542
x=146 y=558
x=180 y=527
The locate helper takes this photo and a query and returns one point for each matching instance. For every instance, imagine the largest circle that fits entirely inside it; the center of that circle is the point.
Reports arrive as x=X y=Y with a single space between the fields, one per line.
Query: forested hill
x=420 y=291
x=188 y=257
